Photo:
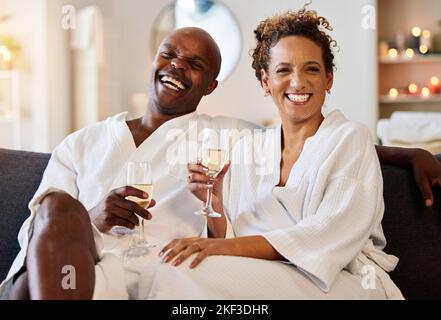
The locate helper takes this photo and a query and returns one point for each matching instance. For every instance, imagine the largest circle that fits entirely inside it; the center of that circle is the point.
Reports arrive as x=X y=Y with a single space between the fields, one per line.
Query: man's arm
x=426 y=168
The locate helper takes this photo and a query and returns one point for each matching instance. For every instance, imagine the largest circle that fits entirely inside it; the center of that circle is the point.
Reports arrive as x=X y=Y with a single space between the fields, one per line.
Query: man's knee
x=59 y=207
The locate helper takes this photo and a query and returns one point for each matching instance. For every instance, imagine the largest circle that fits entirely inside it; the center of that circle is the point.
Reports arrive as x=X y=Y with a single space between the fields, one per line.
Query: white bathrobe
x=326 y=222
x=92 y=162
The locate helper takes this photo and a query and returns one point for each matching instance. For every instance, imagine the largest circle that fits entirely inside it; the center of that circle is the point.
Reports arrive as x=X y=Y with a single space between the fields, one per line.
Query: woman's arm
x=426 y=168
x=252 y=247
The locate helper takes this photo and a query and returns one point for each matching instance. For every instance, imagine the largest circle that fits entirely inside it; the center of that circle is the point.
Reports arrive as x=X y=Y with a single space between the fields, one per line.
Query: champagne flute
x=139 y=176
x=213 y=156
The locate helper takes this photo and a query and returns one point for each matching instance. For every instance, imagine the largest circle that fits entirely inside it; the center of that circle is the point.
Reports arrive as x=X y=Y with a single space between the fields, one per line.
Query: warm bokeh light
x=426 y=34
x=425 y=92
x=393 y=53
x=413 y=88
x=410 y=53
x=3 y=50
x=416 y=32
x=7 y=56
x=393 y=93
x=434 y=81
x=423 y=49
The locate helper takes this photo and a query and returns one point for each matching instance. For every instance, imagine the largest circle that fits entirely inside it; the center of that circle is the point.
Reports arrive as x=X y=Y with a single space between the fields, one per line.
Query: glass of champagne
x=139 y=176
x=213 y=156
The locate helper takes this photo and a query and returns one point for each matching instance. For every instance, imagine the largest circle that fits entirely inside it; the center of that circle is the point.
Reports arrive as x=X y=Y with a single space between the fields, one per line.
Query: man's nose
x=179 y=64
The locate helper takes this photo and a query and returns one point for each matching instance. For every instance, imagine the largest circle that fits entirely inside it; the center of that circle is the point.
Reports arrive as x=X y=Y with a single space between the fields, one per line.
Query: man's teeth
x=170 y=86
x=172 y=83
x=298 y=97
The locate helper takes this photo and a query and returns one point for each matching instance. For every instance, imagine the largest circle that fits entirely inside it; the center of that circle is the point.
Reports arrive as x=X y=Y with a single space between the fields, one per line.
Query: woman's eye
x=283 y=70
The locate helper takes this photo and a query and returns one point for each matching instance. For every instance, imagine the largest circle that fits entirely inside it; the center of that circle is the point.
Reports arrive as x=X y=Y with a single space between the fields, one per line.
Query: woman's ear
x=265 y=81
x=330 y=80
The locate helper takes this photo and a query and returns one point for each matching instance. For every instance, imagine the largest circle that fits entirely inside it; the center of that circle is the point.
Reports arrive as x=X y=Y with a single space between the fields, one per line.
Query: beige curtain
x=87 y=44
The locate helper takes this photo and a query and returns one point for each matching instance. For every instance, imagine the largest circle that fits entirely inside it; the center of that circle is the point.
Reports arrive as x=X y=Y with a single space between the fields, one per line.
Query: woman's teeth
x=299 y=97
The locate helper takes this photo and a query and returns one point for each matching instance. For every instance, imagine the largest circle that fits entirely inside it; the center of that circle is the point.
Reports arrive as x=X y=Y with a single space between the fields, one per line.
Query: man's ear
x=211 y=87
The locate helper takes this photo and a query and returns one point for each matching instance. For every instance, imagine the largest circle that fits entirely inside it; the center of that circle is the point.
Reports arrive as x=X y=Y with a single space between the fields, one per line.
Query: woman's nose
x=297 y=82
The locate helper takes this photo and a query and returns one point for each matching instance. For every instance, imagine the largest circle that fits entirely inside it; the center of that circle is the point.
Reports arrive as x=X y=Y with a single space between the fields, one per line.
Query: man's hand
x=427 y=172
x=116 y=210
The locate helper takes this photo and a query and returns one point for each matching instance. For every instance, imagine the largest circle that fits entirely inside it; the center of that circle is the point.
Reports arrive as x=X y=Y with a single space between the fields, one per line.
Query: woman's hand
x=180 y=250
x=427 y=172
x=198 y=182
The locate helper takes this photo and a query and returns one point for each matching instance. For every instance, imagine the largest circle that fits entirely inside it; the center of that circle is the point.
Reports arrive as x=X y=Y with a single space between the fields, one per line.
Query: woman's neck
x=294 y=134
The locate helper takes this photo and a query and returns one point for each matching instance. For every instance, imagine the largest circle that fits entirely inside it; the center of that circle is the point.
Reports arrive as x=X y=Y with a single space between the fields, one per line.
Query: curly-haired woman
x=306 y=216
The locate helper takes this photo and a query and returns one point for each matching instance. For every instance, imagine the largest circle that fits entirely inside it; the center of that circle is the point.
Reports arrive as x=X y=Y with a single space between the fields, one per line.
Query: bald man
x=82 y=198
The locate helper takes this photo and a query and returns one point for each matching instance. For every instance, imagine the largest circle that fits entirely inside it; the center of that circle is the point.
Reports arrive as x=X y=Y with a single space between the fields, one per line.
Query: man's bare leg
x=62 y=242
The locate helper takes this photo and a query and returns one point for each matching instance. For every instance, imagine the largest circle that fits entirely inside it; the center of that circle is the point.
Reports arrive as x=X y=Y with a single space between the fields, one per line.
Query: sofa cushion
x=21 y=174
x=413 y=234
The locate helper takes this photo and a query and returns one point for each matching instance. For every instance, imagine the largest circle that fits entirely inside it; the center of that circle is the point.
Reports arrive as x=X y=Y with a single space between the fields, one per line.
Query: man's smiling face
x=183 y=71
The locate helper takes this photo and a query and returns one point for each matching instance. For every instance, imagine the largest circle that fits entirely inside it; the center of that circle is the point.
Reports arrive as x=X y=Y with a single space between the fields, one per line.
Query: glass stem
x=141 y=231
x=208 y=206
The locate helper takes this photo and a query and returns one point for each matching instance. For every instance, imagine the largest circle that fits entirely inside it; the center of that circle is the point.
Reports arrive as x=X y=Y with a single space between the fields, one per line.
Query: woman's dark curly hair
x=301 y=23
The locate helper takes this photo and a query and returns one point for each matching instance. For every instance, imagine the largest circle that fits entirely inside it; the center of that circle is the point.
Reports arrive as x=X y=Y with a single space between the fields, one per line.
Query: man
x=83 y=194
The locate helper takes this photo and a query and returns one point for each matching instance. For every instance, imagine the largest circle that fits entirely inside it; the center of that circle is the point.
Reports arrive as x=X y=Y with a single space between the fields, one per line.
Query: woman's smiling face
x=297 y=78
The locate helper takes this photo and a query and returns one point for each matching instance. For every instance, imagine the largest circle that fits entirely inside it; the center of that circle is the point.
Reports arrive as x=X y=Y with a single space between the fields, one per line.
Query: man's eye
x=197 y=66
x=313 y=69
x=166 y=55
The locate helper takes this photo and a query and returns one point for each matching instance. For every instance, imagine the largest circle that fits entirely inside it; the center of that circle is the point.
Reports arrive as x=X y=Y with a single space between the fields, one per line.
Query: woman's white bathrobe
x=326 y=222
x=93 y=161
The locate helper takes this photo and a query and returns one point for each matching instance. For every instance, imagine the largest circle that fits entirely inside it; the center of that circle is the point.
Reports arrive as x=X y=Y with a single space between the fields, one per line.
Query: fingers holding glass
x=139 y=177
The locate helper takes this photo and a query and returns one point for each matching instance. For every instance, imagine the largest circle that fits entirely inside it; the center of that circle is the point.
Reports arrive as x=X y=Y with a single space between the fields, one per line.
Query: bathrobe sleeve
x=348 y=193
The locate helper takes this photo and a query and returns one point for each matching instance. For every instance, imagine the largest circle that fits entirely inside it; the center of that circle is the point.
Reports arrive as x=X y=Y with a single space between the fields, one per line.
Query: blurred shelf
x=385 y=99
x=433 y=57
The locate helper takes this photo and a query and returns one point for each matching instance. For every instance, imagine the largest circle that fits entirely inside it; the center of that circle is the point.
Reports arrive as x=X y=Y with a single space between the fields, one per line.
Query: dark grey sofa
x=413 y=231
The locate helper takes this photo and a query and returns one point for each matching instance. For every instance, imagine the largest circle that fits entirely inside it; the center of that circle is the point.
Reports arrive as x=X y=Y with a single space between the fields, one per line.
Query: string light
x=416 y=32
x=423 y=49
x=410 y=53
x=393 y=93
x=393 y=53
x=425 y=92
x=413 y=88
x=426 y=34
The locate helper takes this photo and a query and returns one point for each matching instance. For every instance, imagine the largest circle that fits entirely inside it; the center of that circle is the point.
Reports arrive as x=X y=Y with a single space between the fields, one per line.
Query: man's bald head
x=206 y=40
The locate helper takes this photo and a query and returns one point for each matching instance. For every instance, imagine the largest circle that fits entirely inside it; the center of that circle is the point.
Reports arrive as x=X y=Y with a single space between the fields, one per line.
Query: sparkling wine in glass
x=139 y=176
x=213 y=156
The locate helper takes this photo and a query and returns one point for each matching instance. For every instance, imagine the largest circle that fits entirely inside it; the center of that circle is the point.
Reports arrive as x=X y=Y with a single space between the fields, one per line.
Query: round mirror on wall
x=212 y=16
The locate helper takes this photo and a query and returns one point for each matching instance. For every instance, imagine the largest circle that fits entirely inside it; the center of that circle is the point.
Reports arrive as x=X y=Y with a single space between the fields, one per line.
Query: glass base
x=206 y=213
x=141 y=248
x=122 y=231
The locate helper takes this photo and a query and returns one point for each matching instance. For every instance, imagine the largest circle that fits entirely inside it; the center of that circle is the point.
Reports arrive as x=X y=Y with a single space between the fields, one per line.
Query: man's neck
x=153 y=118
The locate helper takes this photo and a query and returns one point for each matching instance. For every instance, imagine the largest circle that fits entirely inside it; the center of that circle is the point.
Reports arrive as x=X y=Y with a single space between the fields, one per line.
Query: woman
x=316 y=204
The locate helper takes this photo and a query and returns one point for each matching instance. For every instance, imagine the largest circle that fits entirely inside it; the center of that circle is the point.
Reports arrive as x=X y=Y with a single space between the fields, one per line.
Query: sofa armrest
x=21 y=174
x=413 y=233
